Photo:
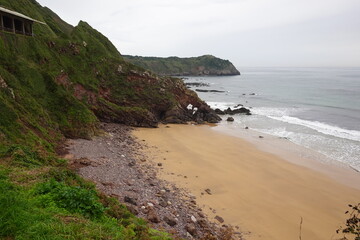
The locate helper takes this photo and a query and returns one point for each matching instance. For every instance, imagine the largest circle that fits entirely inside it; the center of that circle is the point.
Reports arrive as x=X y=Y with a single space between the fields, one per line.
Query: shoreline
x=296 y=154
x=114 y=162
x=262 y=193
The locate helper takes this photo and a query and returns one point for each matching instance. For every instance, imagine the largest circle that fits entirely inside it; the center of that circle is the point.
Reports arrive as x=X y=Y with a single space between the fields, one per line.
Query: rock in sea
x=230 y=119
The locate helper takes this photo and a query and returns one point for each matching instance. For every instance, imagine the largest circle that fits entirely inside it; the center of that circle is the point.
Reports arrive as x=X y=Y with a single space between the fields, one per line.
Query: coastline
x=114 y=162
x=294 y=153
x=262 y=193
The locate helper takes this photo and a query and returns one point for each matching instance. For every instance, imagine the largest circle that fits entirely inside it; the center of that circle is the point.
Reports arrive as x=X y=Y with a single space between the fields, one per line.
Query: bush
x=73 y=199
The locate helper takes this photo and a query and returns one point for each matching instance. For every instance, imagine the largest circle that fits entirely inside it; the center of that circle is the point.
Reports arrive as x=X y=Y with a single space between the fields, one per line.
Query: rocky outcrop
x=204 y=90
x=171 y=109
x=229 y=111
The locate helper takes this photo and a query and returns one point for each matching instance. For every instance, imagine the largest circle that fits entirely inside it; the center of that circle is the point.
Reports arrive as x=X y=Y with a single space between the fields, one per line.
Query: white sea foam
x=221 y=105
x=333 y=148
x=283 y=115
x=275 y=112
x=322 y=128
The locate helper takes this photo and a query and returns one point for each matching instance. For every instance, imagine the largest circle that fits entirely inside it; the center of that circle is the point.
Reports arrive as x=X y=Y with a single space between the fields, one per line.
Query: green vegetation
x=174 y=66
x=61 y=83
x=51 y=209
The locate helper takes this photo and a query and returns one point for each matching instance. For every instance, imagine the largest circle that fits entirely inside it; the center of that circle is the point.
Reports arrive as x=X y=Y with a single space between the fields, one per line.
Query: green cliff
x=61 y=83
x=195 y=66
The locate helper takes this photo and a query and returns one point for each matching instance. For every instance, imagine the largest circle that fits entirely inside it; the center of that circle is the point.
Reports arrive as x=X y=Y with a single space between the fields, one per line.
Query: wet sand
x=263 y=194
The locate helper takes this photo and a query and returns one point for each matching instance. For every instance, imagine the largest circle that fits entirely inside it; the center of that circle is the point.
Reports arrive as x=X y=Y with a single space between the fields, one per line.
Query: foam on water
x=221 y=105
x=283 y=115
x=334 y=148
x=322 y=128
x=275 y=112
x=315 y=108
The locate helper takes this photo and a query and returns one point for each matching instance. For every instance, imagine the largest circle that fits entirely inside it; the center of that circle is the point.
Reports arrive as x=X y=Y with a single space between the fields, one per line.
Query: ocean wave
x=283 y=115
x=221 y=105
x=322 y=127
x=334 y=148
x=275 y=112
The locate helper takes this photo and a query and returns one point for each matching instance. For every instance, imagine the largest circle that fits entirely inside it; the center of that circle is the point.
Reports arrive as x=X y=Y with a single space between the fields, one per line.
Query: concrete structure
x=11 y=21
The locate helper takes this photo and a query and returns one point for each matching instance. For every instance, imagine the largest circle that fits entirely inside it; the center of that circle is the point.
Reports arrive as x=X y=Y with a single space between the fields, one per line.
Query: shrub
x=73 y=199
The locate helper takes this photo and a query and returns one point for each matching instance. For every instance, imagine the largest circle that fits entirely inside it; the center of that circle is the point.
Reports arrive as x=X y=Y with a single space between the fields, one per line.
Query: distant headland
x=206 y=65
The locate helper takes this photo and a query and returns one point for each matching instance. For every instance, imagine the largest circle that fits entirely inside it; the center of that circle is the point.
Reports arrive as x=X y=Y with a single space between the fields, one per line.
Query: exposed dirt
x=113 y=161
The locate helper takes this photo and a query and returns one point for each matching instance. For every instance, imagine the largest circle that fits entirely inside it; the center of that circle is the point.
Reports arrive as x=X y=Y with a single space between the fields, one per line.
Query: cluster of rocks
x=119 y=169
x=229 y=111
x=205 y=90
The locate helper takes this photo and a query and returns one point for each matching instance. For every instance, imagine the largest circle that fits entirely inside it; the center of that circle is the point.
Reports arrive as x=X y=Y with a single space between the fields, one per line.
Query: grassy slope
x=204 y=65
x=40 y=198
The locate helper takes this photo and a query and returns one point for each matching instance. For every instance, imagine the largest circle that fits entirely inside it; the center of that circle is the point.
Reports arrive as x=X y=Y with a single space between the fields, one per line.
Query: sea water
x=317 y=108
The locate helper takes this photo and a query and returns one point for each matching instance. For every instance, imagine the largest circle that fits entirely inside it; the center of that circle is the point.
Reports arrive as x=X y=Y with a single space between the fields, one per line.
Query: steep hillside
x=195 y=66
x=67 y=78
x=61 y=83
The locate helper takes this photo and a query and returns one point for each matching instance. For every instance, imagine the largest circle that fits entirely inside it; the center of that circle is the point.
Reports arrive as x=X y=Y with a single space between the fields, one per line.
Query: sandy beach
x=263 y=194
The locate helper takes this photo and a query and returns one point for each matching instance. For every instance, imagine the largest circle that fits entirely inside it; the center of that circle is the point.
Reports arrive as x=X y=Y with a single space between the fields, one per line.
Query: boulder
x=152 y=216
x=170 y=220
x=130 y=200
x=230 y=119
x=191 y=228
x=220 y=112
x=204 y=90
x=241 y=110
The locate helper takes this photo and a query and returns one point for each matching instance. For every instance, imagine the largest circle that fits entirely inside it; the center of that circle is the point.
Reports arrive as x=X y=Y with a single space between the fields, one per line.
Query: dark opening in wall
x=28 y=28
x=8 y=23
x=18 y=26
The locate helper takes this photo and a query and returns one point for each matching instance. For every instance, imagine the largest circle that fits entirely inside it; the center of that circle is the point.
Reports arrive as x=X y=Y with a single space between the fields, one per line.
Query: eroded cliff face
x=70 y=78
x=206 y=65
x=155 y=100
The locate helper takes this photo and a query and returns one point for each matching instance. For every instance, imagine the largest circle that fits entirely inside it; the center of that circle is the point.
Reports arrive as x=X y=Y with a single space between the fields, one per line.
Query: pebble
x=174 y=210
x=163 y=203
x=220 y=219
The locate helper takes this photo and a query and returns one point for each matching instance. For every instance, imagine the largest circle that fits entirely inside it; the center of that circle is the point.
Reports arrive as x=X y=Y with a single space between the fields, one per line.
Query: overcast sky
x=299 y=33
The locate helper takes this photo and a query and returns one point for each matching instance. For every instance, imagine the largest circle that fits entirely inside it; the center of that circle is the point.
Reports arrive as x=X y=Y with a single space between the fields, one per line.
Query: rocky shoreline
x=116 y=165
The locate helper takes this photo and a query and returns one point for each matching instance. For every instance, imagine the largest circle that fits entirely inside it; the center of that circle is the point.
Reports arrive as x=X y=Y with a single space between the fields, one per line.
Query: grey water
x=317 y=108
